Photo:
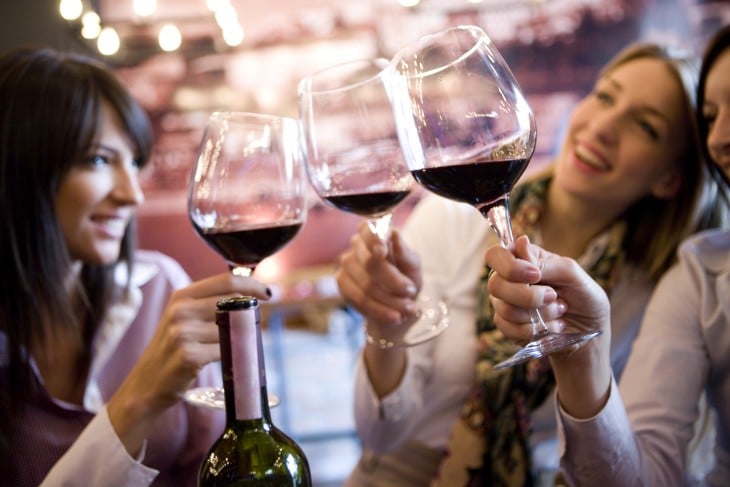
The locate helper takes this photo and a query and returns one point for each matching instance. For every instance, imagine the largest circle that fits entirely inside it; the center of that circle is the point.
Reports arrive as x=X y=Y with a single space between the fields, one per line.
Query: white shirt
x=451 y=239
x=683 y=349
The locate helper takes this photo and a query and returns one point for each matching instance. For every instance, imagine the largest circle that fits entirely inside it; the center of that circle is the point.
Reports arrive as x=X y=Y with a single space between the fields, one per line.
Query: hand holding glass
x=247 y=195
x=355 y=163
x=468 y=134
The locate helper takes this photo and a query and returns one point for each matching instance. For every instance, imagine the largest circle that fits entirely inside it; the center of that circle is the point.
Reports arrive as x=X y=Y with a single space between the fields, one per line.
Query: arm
x=449 y=239
x=175 y=349
x=115 y=465
x=381 y=280
x=645 y=441
x=583 y=375
x=667 y=372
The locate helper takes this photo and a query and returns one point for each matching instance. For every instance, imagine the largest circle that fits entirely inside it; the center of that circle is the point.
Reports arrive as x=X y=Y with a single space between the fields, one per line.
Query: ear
x=668 y=185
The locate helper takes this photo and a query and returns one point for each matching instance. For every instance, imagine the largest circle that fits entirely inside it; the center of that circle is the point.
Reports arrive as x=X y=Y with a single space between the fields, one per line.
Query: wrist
x=583 y=377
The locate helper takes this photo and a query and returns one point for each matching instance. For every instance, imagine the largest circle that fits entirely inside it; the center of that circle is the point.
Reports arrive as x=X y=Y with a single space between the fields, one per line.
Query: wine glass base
x=431 y=321
x=546 y=345
x=213 y=397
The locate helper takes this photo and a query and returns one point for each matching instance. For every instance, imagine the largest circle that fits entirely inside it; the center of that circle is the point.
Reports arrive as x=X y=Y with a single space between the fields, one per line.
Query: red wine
x=367 y=204
x=250 y=246
x=481 y=183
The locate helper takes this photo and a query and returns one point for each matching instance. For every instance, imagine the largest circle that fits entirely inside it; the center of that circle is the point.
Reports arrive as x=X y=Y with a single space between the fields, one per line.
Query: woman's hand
x=380 y=282
x=567 y=297
x=186 y=339
x=569 y=300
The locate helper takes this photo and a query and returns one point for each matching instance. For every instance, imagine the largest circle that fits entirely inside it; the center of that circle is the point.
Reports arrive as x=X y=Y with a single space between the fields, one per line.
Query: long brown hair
x=50 y=110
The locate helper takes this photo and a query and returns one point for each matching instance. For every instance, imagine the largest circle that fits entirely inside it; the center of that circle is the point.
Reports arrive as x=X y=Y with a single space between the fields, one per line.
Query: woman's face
x=625 y=138
x=100 y=194
x=716 y=110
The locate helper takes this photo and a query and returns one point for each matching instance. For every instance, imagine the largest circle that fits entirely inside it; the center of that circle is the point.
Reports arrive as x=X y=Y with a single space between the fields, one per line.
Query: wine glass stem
x=240 y=270
x=380 y=225
x=499 y=220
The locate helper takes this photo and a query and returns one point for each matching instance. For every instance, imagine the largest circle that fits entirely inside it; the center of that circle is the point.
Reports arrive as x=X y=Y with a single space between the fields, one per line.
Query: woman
x=98 y=342
x=625 y=187
x=638 y=433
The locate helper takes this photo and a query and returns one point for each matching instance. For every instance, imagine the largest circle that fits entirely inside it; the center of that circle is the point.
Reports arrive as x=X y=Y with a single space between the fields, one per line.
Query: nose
x=605 y=125
x=127 y=187
x=718 y=139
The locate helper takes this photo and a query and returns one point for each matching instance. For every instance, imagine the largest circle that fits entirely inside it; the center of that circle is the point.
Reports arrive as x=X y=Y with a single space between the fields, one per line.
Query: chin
x=100 y=257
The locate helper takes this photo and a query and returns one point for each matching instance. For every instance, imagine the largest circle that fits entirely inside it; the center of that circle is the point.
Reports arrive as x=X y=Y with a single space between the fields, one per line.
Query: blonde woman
x=627 y=185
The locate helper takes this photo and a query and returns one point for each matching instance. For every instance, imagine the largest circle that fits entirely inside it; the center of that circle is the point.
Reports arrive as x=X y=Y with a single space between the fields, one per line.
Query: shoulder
x=707 y=252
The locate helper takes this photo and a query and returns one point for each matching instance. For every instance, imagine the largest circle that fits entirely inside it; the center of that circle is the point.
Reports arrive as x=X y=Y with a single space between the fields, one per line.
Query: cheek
x=649 y=168
x=74 y=202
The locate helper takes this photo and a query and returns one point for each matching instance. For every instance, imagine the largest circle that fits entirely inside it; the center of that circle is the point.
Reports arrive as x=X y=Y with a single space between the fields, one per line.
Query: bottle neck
x=242 y=363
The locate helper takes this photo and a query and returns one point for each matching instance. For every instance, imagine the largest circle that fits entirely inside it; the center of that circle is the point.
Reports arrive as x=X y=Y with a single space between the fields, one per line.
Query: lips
x=113 y=226
x=589 y=158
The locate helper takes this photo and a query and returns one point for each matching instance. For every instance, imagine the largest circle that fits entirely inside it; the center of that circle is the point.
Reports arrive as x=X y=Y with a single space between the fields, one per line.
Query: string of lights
x=106 y=34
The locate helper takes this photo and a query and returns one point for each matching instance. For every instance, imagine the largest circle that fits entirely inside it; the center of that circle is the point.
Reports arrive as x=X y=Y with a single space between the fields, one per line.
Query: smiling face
x=625 y=138
x=716 y=112
x=99 y=195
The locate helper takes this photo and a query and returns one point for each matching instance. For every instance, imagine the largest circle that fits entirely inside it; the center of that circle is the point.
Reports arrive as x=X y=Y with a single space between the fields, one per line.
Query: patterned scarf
x=489 y=444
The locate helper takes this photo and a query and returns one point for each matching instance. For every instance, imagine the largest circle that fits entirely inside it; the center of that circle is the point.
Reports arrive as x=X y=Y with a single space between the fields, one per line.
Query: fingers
x=374 y=287
x=511 y=266
x=226 y=285
x=406 y=260
x=378 y=283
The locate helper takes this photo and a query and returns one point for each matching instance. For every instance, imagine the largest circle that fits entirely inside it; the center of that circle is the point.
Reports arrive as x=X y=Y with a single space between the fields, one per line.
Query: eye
x=648 y=128
x=96 y=160
x=603 y=96
x=709 y=117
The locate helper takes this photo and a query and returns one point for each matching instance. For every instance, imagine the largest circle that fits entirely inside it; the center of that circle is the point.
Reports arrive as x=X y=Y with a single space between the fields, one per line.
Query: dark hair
x=715 y=47
x=51 y=106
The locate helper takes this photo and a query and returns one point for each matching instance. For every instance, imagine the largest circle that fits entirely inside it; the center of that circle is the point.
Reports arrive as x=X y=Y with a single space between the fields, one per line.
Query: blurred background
x=186 y=58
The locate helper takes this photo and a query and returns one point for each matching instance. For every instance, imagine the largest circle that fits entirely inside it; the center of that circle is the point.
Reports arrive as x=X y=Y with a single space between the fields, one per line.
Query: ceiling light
x=169 y=38
x=108 y=41
x=70 y=9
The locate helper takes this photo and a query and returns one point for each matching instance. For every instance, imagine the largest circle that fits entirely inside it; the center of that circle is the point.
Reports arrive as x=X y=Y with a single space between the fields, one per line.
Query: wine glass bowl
x=355 y=162
x=247 y=192
x=468 y=134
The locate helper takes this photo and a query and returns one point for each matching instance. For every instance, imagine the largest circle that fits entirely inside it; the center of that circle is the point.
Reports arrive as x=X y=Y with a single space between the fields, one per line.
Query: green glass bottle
x=251 y=451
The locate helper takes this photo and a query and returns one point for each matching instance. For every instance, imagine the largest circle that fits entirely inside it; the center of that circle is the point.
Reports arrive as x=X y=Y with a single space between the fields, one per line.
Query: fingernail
x=532 y=274
x=411 y=309
x=562 y=307
x=549 y=296
x=411 y=290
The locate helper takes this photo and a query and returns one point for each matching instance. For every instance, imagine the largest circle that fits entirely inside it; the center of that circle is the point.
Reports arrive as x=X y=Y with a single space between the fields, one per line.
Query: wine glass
x=468 y=134
x=247 y=196
x=355 y=163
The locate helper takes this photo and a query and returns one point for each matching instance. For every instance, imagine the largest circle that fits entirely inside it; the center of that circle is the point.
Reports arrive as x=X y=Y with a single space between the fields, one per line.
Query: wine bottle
x=252 y=451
